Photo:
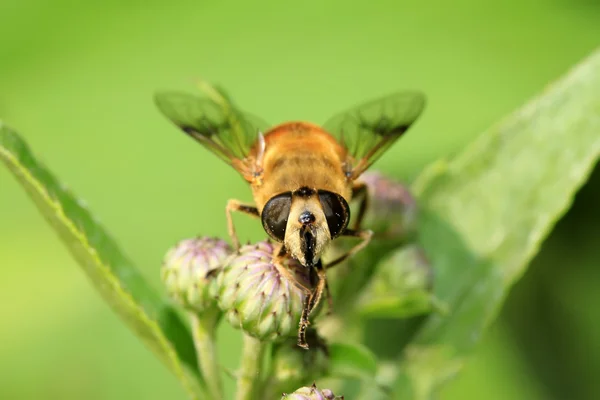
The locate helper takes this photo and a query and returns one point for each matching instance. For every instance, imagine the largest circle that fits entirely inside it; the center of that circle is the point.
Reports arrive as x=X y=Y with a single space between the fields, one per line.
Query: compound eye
x=275 y=215
x=336 y=212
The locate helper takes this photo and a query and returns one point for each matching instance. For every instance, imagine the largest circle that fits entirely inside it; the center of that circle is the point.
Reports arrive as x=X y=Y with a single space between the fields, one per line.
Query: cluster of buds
x=257 y=291
x=264 y=293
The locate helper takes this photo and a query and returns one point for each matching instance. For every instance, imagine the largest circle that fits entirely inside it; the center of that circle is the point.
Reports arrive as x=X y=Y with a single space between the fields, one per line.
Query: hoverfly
x=302 y=175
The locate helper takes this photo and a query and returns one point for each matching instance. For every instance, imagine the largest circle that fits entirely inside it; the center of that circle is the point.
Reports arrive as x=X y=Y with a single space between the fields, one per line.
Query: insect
x=302 y=175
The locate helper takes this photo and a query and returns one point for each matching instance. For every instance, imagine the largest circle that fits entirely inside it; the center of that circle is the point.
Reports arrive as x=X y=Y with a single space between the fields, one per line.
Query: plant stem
x=249 y=374
x=203 y=331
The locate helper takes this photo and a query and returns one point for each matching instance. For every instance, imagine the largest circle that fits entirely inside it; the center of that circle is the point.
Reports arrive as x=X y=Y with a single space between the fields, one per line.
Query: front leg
x=311 y=302
x=365 y=235
x=311 y=297
x=236 y=205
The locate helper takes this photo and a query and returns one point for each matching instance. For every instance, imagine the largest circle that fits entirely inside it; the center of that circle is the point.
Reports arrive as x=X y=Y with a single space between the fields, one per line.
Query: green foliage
x=113 y=275
x=484 y=216
x=487 y=211
x=352 y=361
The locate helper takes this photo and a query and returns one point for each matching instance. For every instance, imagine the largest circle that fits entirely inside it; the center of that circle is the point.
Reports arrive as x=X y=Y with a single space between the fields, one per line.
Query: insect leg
x=236 y=205
x=360 y=190
x=311 y=302
x=278 y=254
x=304 y=324
x=365 y=235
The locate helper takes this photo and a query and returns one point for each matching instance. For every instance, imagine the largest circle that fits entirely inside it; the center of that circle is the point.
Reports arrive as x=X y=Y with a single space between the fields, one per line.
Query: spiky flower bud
x=312 y=393
x=392 y=210
x=186 y=269
x=262 y=294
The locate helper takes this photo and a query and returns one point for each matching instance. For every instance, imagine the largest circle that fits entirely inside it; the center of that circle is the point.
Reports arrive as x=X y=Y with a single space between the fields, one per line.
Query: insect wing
x=215 y=123
x=368 y=130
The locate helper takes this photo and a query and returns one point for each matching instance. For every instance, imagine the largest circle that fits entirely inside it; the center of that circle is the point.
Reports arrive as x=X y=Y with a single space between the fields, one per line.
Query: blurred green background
x=76 y=79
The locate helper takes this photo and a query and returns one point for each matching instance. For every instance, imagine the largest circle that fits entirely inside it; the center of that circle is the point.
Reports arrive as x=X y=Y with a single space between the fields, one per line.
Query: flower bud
x=392 y=210
x=402 y=285
x=261 y=293
x=186 y=269
x=391 y=214
x=312 y=393
x=293 y=365
x=408 y=268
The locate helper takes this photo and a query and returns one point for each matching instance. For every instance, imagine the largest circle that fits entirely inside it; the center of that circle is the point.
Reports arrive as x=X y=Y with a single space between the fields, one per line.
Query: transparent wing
x=214 y=122
x=368 y=130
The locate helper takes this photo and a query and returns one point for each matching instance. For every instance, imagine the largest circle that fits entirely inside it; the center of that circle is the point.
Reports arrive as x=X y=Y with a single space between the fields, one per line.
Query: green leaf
x=486 y=212
x=351 y=361
x=113 y=275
